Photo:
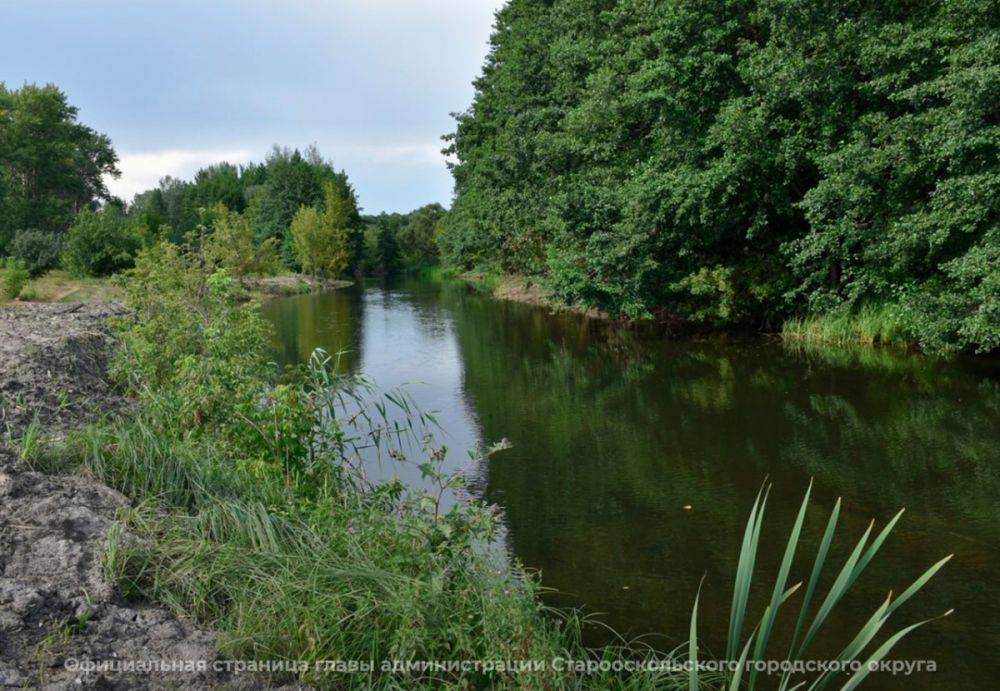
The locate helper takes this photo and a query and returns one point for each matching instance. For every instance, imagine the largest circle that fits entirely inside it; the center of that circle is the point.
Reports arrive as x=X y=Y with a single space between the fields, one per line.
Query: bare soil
x=56 y=604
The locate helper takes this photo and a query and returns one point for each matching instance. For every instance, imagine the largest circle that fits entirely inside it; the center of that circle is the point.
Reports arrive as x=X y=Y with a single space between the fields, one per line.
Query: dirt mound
x=59 y=614
x=52 y=364
x=56 y=605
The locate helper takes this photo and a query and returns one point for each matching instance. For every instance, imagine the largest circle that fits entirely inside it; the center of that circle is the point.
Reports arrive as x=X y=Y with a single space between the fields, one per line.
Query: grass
x=869 y=326
x=436 y=273
x=60 y=286
x=483 y=280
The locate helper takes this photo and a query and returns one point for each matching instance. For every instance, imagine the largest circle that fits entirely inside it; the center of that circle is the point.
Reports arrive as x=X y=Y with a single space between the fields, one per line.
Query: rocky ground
x=56 y=606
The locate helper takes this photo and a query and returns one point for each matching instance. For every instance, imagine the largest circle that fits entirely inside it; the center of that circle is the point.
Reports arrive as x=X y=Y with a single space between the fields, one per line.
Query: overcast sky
x=178 y=84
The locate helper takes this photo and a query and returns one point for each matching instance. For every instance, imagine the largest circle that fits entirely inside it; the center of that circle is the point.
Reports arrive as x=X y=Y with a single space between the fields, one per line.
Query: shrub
x=14 y=278
x=100 y=243
x=38 y=250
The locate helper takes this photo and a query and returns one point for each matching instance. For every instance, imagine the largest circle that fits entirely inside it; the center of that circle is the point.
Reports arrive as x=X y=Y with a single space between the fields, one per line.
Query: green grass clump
x=870 y=326
x=436 y=273
x=13 y=277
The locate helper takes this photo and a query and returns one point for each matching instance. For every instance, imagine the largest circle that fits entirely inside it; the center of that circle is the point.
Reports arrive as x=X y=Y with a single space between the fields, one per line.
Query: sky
x=178 y=84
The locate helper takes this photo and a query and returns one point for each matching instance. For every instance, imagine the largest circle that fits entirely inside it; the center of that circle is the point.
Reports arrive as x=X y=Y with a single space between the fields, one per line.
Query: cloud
x=417 y=154
x=143 y=170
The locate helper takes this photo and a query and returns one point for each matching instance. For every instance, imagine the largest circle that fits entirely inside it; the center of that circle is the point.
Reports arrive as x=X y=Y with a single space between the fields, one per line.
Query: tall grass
x=869 y=325
x=436 y=273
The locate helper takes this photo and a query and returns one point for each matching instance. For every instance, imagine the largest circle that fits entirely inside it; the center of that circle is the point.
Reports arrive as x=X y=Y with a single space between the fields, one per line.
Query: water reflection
x=614 y=433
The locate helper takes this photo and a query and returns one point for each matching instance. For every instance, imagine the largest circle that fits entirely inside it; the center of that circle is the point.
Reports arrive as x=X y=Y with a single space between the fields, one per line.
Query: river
x=635 y=459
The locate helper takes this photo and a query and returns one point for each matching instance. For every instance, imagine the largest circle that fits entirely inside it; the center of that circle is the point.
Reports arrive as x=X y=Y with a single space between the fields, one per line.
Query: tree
x=229 y=244
x=418 y=236
x=386 y=259
x=51 y=165
x=322 y=238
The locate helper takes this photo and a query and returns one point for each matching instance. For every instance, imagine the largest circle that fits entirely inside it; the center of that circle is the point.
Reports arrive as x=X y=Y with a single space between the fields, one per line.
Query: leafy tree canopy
x=742 y=161
x=51 y=165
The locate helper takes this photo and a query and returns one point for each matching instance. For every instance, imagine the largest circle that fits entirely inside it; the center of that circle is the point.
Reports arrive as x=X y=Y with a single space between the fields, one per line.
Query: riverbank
x=57 y=603
x=289 y=284
x=869 y=327
x=526 y=290
x=249 y=517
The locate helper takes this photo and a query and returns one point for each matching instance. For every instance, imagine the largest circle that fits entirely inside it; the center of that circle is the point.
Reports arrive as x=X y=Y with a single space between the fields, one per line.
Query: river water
x=635 y=459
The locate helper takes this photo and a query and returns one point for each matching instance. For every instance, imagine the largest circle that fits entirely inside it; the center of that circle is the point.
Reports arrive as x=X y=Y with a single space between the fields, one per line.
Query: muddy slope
x=56 y=605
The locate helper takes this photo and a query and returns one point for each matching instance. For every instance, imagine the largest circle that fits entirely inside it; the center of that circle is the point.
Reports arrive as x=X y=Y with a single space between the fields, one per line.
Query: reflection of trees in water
x=332 y=321
x=937 y=453
x=614 y=434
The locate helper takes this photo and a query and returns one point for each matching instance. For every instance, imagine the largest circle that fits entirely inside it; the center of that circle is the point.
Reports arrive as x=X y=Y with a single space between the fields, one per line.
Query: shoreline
x=57 y=601
x=286 y=285
x=812 y=330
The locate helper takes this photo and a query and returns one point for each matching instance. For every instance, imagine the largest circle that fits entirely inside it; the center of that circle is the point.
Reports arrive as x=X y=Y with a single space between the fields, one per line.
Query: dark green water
x=614 y=433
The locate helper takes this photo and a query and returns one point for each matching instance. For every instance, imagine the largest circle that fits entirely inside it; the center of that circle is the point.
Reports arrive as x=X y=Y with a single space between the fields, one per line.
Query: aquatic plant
x=755 y=646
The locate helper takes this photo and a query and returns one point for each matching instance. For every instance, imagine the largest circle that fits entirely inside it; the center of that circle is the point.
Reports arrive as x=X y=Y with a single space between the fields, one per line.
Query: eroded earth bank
x=56 y=605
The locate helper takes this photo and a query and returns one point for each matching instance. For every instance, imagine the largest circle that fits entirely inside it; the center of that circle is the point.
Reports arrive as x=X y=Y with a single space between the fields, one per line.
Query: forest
x=743 y=162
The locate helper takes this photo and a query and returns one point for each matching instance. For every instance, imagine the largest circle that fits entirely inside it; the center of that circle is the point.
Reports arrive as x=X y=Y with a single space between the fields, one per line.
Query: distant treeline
x=402 y=242
x=743 y=161
x=294 y=210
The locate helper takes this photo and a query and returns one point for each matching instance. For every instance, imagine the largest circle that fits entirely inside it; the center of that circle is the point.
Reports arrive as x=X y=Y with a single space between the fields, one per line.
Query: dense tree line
x=56 y=210
x=742 y=161
x=269 y=194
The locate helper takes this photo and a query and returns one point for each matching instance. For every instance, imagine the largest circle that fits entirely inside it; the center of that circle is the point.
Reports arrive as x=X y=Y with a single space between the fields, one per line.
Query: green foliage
x=865 y=326
x=229 y=244
x=322 y=238
x=418 y=235
x=100 y=243
x=386 y=257
x=15 y=277
x=207 y=364
x=50 y=164
x=37 y=249
x=738 y=162
x=267 y=196
x=407 y=242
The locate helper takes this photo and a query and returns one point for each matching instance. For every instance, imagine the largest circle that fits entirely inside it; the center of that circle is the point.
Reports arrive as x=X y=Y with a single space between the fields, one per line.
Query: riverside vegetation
x=744 y=163
x=828 y=167
x=292 y=212
x=252 y=514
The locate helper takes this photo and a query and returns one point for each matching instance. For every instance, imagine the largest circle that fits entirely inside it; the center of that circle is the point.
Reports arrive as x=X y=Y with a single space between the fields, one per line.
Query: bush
x=100 y=243
x=14 y=278
x=38 y=250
